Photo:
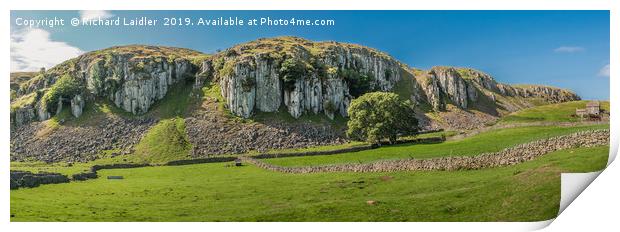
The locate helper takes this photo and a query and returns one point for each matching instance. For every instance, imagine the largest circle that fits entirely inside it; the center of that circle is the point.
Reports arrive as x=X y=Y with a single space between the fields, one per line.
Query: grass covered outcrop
x=164 y=142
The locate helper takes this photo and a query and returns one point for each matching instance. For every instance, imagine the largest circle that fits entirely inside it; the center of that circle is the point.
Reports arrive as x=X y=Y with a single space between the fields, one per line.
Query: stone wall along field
x=509 y=156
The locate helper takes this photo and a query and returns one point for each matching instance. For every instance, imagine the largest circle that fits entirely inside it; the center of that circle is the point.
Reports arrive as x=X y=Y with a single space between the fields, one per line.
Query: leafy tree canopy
x=66 y=86
x=376 y=116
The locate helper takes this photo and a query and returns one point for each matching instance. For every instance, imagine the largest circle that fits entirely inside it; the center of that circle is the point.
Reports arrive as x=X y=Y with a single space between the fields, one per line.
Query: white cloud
x=569 y=49
x=95 y=14
x=33 y=48
x=604 y=72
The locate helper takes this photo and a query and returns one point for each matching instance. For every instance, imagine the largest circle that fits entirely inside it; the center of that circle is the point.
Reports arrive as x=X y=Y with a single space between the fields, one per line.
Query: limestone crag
x=133 y=77
x=251 y=80
x=77 y=105
x=469 y=88
x=550 y=94
x=452 y=84
x=266 y=75
x=547 y=93
x=133 y=84
x=22 y=116
x=42 y=111
x=287 y=75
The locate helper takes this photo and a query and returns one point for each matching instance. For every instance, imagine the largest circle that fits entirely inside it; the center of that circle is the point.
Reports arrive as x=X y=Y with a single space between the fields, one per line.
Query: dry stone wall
x=509 y=156
x=25 y=179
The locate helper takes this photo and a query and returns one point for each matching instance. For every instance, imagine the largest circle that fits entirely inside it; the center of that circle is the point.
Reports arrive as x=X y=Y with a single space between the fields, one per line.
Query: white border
x=602 y=188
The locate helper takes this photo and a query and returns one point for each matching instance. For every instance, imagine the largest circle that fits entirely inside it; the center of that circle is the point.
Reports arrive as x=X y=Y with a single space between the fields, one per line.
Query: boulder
x=77 y=105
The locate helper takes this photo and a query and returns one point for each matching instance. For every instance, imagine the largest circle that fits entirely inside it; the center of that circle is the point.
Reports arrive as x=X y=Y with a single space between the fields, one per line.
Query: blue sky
x=568 y=49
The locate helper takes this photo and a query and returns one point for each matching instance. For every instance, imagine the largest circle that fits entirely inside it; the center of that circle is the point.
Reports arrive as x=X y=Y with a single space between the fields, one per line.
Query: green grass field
x=219 y=192
x=490 y=141
x=222 y=192
x=550 y=113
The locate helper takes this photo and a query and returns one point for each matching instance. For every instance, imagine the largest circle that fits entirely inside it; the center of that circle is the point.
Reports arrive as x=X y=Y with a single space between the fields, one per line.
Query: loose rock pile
x=509 y=156
x=215 y=136
x=457 y=119
x=76 y=144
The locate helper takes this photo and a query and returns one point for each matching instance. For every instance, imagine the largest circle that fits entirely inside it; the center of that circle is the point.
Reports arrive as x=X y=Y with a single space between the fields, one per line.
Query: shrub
x=140 y=66
x=358 y=83
x=218 y=63
x=66 y=86
x=329 y=106
x=228 y=69
x=291 y=70
x=172 y=58
x=332 y=70
x=379 y=115
x=112 y=85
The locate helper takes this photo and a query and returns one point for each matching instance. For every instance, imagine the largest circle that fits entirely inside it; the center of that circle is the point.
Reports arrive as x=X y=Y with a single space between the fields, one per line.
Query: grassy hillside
x=560 y=112
x=174 y=147
x=22 y=101
x=16 y=79
x=289 y=44
x=219 y=192
x=166 y=141
x=490 y=141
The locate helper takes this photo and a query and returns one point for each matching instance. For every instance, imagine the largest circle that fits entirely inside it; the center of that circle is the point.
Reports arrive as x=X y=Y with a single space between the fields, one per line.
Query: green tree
x=66 y=86
x=376 y=116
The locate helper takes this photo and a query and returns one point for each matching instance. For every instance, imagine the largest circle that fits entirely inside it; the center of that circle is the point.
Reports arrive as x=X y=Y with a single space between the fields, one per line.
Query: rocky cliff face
x=550 y=94
x=266 y=75
x=22 y=116
x=469 y=88
x=133 y=77
x=252 y=79
x=452 y=85
x=132 y=83
x=285 y=74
